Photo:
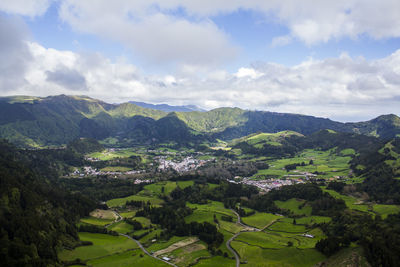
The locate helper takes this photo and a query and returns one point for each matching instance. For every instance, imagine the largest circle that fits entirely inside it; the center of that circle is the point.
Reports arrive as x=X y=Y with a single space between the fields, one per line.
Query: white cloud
x=30 y=8
x=248 y=73
x=342 y=88
x=153 y=35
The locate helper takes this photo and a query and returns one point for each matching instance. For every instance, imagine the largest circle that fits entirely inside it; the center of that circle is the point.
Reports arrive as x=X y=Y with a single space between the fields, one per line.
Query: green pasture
x=288 y=256
x=118 y=202
x=308 y=220
x=216 y=261
x=385 y=210
x=351 y=202
x=324 y=161
x=126 y=259
x=200 y=216
x=128 y=214
x=96 y=221
x=293 y=205
x=161 y=244
x=121 y=227
x=188 y=255
x=212 y=206
x=103 y=245
x=260 y=219
x=287 y=227
x=264 y=240
x=108 y=155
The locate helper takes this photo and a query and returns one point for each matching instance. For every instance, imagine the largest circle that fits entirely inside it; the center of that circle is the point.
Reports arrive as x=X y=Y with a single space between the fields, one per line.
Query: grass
x=288 y=256
x=126 y=259
x=96 y=221
x=190 y=254
x=164 y=244
x=144 y=221
x=212 y=206
x=259 y=219
x=108 y=154
x=293 y=205
x=385 y=210
x=128 y=214
x=121 y=227
x=184 y=184
x=287 y=227
x=216 y=261
x=263 y=240
x=200 y=216
x=324 y=161
x=103 y=245
x=231 y=227
x=308 y=220
x=117 y=202
x=349 y=200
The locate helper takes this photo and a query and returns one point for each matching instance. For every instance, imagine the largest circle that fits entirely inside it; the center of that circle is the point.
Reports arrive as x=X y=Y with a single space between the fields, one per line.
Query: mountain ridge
x=56 y=120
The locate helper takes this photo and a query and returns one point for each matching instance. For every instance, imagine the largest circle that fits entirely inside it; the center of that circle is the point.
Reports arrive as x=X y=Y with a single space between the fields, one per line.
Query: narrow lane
x=137 y=241
x=231 y=249
x=247 y=228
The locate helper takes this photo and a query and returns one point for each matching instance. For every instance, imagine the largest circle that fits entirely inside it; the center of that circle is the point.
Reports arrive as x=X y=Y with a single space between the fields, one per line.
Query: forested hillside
x=57 y=120
x=37 y=218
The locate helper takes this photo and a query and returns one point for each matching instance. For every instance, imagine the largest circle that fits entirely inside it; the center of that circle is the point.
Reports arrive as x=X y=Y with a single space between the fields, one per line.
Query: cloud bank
x=182 y=32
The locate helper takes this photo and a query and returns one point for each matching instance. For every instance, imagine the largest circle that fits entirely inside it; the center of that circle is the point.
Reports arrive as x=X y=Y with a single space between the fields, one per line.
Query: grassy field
x=323 y=161
x=200 y=216
x=264 y=240
x=189 y=254
x=216 y=261
x=385 y=210
x=212 y=206
x=351 y=202
x=128 y=214
x=96 y=221
x=293 y=206
x=116 y=202
x=287 y=227
x=103 y=245
x=287 y=256
x=308 y=220
x=121 y=227
x=126 y=259
x=164 y=244
x=108 y=154
x=260 y=219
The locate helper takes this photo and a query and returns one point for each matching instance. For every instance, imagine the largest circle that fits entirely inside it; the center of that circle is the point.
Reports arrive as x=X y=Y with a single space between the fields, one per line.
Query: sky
x=335 y=59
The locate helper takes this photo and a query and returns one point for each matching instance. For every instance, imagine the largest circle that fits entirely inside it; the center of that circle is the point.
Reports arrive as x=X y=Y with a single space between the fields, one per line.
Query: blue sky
x=331 y=59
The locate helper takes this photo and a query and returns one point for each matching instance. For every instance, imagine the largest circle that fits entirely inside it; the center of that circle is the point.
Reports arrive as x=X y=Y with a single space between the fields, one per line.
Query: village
x=187 y=164
x=267 y=185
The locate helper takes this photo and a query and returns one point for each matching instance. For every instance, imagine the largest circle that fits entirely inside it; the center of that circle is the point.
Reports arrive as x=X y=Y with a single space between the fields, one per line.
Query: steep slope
x=36 y=217
x=385 y=126
x=57 y=120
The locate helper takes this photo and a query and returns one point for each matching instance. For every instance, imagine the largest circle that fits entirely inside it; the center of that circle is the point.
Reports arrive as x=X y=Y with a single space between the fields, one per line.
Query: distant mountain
x=56 y=120
x=168 y=108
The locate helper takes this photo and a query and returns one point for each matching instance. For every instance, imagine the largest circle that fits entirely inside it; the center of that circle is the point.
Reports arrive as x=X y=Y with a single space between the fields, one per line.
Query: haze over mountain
x=56 y=120
x=167 y=108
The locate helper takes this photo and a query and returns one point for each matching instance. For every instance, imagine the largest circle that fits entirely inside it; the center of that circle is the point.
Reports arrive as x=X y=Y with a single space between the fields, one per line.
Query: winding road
x=119 y=218
x=247 y=228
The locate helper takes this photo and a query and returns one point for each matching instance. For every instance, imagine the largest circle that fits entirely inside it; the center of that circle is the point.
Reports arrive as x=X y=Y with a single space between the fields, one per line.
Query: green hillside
x=56 y=120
